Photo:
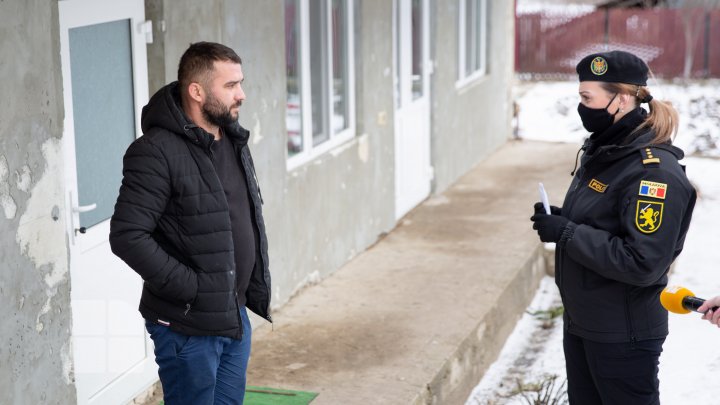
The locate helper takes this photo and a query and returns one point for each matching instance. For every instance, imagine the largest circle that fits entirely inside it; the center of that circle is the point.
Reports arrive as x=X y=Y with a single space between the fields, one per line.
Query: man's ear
x=196 y=92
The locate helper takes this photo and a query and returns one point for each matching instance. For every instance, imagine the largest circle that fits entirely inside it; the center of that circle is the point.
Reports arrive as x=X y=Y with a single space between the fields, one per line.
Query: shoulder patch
x=648 y=216
x=652 y=189
x=648 y=157
x=597 y=186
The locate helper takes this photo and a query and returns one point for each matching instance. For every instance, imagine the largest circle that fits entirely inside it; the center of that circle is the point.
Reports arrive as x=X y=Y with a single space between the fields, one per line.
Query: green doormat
x=274 y=396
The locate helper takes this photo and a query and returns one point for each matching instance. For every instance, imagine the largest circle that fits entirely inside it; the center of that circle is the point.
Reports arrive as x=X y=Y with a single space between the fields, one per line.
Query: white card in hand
x=544 y=198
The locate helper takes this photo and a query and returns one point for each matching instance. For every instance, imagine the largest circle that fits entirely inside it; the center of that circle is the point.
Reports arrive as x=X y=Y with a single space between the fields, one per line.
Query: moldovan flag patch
x=653 y=189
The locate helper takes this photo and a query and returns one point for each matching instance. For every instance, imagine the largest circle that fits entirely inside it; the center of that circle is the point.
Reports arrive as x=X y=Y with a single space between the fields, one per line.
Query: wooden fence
x=674 y=42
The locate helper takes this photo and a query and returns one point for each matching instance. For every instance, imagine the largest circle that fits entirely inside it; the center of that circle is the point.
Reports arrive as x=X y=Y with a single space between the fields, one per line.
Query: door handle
x=85 y=208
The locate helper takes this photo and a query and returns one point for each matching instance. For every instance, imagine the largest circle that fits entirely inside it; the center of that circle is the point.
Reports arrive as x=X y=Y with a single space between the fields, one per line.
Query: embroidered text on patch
x=597 y=186
x=653 y=189
x=648 y=216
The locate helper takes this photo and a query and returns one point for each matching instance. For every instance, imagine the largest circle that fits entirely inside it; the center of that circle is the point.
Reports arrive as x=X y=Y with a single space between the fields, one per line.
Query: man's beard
x=214 y=112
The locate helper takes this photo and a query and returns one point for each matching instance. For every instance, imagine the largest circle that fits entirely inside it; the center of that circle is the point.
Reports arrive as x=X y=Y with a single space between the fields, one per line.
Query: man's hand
x=549 y=227
x=710 y=315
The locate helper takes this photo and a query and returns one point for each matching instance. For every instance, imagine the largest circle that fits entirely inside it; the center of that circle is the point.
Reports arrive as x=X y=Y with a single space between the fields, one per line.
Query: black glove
x=539 y=209
x=549 y=227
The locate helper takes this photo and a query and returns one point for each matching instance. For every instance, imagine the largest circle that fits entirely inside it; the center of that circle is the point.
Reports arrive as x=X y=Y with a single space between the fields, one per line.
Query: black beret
x=613 y=67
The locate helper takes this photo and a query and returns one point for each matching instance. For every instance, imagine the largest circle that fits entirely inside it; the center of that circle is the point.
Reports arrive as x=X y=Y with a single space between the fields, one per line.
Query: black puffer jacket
x=613 y=258
x=172 y=224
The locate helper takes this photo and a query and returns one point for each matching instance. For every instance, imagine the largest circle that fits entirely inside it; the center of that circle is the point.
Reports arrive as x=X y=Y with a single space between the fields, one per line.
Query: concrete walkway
x=419 y=317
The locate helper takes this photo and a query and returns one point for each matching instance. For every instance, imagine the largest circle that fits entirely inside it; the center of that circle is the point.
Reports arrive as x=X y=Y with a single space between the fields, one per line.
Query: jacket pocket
x=181 y=289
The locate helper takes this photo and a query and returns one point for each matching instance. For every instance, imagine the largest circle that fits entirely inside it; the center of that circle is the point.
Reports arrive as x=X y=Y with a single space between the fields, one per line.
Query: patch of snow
x=690 y=351
x=548 y=112
x=532 y=352
x=550 y=9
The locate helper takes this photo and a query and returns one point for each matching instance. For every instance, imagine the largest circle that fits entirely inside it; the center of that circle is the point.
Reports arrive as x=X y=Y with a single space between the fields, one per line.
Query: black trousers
x=612 y=373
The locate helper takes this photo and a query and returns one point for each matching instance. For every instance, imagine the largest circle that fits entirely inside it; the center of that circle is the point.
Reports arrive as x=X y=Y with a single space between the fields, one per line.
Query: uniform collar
x=620 y=133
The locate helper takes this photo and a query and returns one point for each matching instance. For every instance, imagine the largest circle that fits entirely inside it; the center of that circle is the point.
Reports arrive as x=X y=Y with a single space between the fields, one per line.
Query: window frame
x=464 y=77
x=310 y=151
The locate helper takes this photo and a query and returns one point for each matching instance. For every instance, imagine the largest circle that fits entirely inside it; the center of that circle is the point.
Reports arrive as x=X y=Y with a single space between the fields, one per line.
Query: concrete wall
x=319 y=215
x=333 y=208
x=35 y=354
x=471 y=122
x=323 y=213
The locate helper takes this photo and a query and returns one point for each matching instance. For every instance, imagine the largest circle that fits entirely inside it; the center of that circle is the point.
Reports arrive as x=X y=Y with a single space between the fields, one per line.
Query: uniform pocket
x=637 y=360
x=592 y=280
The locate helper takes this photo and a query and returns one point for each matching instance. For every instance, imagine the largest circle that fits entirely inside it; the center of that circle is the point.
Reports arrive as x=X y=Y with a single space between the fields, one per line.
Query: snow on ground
x=531 y=354
x=691 y=355
x=548 y=112
x=564 y=11
x=555 y=7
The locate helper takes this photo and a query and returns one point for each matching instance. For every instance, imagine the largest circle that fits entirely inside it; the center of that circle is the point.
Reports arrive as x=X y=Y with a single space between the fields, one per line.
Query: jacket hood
x=621 y=139
x=606 y=154
x=643 y=140
x=164 y=111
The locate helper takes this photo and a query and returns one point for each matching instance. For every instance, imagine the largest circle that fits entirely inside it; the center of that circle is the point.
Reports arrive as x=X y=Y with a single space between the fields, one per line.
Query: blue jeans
x=201 y=370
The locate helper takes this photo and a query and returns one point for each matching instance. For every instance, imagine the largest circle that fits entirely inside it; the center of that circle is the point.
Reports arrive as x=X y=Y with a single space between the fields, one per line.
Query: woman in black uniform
x=622 y=224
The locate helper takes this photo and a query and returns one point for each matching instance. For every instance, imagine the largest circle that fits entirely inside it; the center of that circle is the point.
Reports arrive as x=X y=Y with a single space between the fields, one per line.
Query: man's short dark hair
x=197 y=62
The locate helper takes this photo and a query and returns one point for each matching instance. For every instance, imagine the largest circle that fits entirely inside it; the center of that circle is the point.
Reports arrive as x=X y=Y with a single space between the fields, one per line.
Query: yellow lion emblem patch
x=648 y=216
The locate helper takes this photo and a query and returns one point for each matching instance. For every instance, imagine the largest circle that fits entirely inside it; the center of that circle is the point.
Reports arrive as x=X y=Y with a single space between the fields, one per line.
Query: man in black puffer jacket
x=189 y=220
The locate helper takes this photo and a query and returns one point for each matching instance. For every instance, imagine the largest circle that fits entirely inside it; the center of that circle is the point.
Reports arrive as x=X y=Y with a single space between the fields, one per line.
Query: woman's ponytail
x=662 y=119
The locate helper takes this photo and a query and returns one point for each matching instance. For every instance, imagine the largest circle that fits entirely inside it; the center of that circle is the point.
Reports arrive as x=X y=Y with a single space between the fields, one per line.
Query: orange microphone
x=680 y=300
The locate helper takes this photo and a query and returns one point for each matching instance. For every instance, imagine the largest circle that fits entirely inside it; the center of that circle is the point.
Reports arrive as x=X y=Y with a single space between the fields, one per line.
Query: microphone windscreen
x=671 y=299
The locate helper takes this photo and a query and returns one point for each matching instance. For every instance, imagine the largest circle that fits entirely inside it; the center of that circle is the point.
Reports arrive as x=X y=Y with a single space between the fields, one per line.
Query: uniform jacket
x=629 y=208
x=172 y=224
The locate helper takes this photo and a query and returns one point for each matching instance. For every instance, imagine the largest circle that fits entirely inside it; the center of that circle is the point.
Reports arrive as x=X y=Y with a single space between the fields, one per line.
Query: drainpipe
x=607 y=28
x=706 y=62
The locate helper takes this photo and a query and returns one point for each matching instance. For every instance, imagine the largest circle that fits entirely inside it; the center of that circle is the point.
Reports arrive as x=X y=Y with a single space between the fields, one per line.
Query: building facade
x=358 y=111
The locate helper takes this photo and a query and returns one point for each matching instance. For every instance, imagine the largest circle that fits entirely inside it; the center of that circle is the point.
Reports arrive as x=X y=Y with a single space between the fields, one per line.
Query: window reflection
x=417 y=49
x=318 y=70
x=319 y=73
x=475 y=35
x=340 y=65
x=293 y=117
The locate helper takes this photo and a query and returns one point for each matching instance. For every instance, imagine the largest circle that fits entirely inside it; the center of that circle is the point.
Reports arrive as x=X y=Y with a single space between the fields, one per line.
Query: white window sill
x=469 y=81
x=306 y=157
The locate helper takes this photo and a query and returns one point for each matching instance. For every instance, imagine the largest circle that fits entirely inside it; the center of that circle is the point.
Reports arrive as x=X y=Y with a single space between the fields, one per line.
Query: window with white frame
x=473 y=38
x=320 y=76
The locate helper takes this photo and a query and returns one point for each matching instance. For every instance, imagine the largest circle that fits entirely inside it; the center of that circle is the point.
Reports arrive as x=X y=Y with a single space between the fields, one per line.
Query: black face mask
x=597 y=120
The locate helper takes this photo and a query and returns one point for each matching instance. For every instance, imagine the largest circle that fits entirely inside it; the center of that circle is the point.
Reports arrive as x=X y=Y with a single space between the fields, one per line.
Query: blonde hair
x=662 y=119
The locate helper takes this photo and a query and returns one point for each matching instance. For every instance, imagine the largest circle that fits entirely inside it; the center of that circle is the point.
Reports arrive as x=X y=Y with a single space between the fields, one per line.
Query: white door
x=104 y=68
x=413 y=172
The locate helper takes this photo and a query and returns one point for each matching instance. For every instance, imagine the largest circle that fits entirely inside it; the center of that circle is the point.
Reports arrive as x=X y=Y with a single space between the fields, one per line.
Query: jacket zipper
x=187 y=308
x=246 y=165
x=561 y=274
x=631 y=329
x=257 y=184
